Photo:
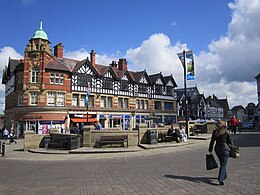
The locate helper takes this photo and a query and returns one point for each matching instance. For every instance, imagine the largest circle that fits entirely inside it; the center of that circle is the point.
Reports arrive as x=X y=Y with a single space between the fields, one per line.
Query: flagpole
x=185 y=93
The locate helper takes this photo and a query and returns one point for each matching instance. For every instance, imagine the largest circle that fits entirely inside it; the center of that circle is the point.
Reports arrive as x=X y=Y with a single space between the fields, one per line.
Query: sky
x=224 y=36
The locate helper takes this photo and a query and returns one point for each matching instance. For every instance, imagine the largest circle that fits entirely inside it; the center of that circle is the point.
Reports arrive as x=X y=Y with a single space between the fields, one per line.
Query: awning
x=83 y=120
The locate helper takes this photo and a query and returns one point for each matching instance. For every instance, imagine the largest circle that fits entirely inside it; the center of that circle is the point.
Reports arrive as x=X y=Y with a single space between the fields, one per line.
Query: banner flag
x=181 y=57
x=190 y=65
x=88 y=89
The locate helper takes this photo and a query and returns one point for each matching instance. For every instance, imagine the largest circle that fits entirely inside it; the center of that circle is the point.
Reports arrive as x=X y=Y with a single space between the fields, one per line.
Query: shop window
x=35 y=75
x=75 y=99
x=34 y=98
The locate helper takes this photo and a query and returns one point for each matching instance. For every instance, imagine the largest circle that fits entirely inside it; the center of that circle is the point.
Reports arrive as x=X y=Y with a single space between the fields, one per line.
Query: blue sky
x=111 y=26
x=148 y=33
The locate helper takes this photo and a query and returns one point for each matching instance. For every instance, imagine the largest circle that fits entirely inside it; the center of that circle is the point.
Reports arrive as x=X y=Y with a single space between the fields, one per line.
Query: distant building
x=239 y=112
x=196 y=103
x=214 y=110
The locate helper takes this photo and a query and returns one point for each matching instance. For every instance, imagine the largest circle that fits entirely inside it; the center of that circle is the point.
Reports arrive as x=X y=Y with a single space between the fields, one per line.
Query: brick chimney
x=58 y=50
x=122 y=64
x=113 y=64
x=93 y=57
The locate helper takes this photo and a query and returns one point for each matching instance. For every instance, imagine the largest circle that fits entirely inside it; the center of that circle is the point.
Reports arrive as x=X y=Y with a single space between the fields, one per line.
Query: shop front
x=40 y=123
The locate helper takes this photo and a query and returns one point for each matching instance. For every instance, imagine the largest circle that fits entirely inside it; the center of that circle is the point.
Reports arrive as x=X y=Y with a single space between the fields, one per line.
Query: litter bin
x=152 y=137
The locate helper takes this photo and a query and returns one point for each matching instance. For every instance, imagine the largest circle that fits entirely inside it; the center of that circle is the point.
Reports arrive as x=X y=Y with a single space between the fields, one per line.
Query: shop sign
x=32 y=117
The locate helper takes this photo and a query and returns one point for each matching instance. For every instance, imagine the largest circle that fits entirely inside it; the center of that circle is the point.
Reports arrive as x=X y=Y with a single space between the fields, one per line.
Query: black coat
x=223 y=142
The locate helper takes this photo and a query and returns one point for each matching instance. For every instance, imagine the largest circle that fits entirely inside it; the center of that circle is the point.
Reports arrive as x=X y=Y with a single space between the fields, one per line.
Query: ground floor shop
x=42 y=122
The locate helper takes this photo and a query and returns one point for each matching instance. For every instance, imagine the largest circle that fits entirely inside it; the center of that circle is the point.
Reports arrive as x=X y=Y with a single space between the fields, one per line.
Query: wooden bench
x=113 y=139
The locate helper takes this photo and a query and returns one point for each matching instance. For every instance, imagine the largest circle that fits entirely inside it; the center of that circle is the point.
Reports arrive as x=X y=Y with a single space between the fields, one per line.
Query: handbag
x=211 y=162
x=234 y=152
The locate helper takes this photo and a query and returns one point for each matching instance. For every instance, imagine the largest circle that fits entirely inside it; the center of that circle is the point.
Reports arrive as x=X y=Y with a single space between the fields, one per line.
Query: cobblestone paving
x=176 y=170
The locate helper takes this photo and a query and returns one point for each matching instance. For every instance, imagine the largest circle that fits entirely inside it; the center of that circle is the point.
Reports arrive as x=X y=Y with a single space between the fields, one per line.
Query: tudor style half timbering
x=46 y=90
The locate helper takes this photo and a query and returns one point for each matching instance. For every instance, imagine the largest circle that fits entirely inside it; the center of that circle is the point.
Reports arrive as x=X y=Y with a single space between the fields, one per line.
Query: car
x=247 y=125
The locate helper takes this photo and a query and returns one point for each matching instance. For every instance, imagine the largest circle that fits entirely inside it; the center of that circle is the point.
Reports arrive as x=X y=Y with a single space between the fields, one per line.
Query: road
x=174 y=170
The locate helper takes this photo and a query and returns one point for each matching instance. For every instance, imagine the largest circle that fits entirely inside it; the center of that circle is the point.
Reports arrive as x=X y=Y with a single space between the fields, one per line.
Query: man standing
x=233 y=122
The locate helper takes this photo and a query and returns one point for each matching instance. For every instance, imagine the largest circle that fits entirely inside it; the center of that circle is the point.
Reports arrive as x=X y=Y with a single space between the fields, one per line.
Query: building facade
x=45 y=90
x=257 y=124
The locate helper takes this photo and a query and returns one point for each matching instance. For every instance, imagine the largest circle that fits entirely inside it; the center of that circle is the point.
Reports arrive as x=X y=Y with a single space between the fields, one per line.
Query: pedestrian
x=181 y=133
x=171 y=132
x=222 y=138
x=233 y=123
x=12 y=140
x=5 y=133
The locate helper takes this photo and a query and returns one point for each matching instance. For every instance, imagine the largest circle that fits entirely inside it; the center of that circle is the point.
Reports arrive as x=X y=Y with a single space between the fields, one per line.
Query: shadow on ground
x=246 y=140
x=208 y=180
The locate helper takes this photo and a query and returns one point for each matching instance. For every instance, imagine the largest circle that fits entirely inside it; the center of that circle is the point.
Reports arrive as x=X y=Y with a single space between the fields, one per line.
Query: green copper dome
x=40 y=34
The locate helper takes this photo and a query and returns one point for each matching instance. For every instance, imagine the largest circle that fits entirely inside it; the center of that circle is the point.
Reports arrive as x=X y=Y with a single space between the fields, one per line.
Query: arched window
x=35 y=75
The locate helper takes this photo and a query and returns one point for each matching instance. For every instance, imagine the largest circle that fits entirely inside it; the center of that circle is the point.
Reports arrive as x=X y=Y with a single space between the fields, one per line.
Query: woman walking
x=222 y=139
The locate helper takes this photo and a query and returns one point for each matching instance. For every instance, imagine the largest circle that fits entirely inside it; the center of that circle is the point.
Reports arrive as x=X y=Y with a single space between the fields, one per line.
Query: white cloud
x=227 y=69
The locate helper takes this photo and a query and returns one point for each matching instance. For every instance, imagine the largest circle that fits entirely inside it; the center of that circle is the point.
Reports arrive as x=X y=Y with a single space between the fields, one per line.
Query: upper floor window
x=75 y=99
x=126 y=103
x=143 y=88
x=110 y=102
x=35 y=75
x=60 y=99
x=157 y=105
x=20 y=78
x=120 y=102
x=103 y=103
x=124 y=86
x=168 y=106
x=20 y=99
x=158 y=89
x=91 y=101
x=56 y=78
x=33 y=98
x=82 y=102
x=107 y=83
x=137 y=106
x=51 y=99
x=146 y=104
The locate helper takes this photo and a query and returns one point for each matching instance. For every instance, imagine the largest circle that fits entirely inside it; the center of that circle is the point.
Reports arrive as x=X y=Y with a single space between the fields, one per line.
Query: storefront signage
x=32 y=117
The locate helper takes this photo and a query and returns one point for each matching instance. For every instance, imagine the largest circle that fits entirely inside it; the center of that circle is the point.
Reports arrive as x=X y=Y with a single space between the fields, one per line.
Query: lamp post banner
x=190 y=65
x=187 y=62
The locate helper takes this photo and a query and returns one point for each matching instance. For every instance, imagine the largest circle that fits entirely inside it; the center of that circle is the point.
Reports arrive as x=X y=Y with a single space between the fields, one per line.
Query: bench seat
x=113 y=139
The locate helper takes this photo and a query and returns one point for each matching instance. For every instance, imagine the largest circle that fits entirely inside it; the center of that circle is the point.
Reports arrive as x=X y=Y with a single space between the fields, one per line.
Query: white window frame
x=35 y=75
x=60 y=100
x=51 y=98
x=34 y=98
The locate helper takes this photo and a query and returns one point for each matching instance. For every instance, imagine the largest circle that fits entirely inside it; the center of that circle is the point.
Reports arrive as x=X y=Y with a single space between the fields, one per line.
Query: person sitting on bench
x=171 y=132
x=181 y=134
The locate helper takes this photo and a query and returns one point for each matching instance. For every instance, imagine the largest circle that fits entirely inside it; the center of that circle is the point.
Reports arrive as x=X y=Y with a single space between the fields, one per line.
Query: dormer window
x=35 y=75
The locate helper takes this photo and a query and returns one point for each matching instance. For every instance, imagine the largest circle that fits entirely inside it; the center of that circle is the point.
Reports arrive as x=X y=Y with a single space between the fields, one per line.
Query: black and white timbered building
x=51 y=91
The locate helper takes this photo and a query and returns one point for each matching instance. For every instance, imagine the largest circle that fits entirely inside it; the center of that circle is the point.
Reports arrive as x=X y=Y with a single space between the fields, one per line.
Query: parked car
x=247 y=125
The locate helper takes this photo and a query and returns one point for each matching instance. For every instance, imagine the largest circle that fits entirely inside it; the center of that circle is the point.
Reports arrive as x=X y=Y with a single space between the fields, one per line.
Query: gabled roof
x=154 y=78
x=63 y=64
x=239 y=107
x=170 y=78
